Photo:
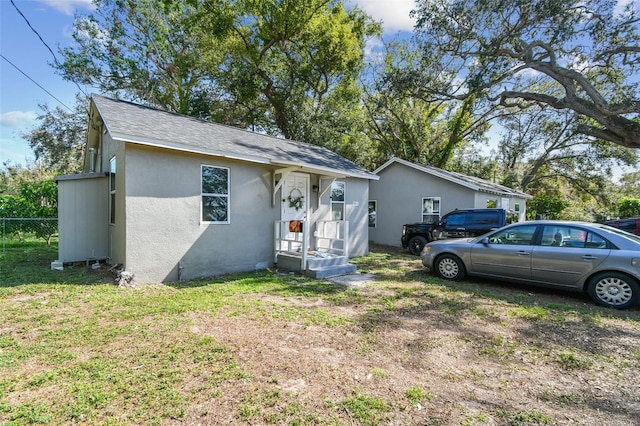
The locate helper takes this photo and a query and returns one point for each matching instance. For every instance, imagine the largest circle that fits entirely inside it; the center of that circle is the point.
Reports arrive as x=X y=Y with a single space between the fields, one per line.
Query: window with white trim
x=112 y=190
x=337 y=200
x=215 y=194
x=431 y=209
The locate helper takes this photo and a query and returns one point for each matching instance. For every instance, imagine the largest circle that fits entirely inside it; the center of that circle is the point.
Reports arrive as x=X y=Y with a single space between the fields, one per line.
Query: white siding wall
x=399 y=194
x=117 y=232
x=357 y=213
x=83 y=217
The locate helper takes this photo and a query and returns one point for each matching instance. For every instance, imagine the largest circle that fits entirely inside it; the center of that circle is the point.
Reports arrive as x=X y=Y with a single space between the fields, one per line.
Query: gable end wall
x=399 y=194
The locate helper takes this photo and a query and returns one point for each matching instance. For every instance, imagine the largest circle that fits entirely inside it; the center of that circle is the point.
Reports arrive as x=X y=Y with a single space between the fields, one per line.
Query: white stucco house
x=408 y=193
x=168 y=197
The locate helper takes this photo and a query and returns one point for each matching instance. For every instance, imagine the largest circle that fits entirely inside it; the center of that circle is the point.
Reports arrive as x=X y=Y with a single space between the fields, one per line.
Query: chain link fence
x=23 y=228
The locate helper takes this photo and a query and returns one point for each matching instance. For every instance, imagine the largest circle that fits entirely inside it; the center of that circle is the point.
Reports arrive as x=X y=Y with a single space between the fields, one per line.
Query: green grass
x=365 y=409
x=569 y=398
x=29 y=262
x=75 y=348
x=416 y=395
x=525 y=418
x=571 y=361
x=97 y=346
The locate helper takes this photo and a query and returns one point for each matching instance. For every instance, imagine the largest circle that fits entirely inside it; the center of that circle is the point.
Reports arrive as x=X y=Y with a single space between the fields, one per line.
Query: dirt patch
x=448 y=356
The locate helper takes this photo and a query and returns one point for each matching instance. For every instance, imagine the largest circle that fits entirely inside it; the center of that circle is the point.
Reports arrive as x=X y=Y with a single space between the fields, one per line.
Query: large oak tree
x=589 y=52
x=408 y=116
x=541 y=147
x=275 y=66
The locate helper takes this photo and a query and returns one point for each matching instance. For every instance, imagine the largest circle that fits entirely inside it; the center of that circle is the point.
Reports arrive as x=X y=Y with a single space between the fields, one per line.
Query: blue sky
x=53 y=21
x=19 y=96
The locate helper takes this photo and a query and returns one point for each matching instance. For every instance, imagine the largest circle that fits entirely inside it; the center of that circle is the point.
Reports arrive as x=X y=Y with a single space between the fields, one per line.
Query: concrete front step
x=317 y=267
x=314 y=262
x=331 y=271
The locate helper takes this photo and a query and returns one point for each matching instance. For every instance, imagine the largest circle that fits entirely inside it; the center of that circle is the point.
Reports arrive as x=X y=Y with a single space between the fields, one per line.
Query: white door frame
x=294 y=184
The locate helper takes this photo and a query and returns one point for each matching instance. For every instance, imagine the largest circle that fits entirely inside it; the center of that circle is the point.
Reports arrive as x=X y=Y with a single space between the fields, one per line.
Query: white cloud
x=373 y=46
x=68 y=7
x=622 y=4
x=394 y=14
x=18 y=119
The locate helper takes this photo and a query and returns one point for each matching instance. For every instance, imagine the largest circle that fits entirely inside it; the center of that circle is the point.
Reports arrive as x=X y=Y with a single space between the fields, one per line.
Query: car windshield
x=620 y=232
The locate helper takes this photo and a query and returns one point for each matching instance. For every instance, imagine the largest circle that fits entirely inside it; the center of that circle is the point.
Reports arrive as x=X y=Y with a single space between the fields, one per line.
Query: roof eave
x=426 y=170
x=450 y=178
x=326 y=171
x=193 y=150
x=248 y=158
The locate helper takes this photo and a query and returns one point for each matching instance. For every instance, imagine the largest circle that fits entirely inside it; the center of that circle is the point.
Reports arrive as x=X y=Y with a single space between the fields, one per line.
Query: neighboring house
x=408 y=192
x=168 y=197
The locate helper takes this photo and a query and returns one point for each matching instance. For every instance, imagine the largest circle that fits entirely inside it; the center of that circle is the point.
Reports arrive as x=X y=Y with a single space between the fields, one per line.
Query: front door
x=295 y=193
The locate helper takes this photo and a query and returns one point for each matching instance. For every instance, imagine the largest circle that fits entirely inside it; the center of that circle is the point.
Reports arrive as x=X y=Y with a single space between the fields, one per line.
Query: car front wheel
x=416 y=244
x=450 y=267
x=613 y=290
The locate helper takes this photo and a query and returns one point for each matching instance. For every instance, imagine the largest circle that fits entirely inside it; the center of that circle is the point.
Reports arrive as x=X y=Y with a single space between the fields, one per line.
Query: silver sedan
x=579 y=256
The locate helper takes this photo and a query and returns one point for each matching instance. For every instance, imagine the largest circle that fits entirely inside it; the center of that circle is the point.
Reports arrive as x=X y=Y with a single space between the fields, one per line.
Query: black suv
x=455 y=224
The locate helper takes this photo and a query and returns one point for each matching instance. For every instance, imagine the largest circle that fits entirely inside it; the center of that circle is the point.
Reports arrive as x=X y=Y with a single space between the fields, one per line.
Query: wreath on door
x=295 y=199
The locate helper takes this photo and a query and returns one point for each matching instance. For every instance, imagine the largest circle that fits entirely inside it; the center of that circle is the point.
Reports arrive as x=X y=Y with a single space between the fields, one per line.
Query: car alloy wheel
x=450 y=268
x=613 y=290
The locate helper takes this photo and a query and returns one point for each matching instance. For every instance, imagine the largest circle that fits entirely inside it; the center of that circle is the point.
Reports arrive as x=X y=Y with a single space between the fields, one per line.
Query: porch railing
x=332 y=236
x=286 y=241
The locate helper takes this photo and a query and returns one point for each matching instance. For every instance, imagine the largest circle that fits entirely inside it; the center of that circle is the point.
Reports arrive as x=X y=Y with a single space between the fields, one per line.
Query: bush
x=629 y=206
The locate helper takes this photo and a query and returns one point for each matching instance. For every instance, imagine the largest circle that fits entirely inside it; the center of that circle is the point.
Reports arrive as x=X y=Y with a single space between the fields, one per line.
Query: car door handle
x=523 y=253
x=460 y=229
x=589 y=257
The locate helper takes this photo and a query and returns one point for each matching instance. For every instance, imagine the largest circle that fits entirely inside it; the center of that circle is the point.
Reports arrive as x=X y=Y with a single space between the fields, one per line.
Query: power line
x=35 y=82
x=55 y=59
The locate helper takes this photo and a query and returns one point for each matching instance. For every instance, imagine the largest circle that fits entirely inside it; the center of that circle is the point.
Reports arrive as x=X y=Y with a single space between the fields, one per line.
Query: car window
x=595 y=241
x=569 y=236
x=517 y=235
x=483 y=218
x=628 y=225
x=455 y=219
x=608 y=229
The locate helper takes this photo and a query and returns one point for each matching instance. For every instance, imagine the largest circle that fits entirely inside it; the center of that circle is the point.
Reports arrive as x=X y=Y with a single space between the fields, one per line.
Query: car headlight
x=426 y=249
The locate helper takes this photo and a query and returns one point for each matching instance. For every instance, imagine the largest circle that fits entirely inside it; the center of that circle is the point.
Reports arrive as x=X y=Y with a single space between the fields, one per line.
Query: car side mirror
x=485 y=240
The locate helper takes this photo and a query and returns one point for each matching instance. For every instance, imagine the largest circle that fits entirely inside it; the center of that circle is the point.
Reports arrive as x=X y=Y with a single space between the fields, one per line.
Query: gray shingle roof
x=459 y=178
x=139 y=124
